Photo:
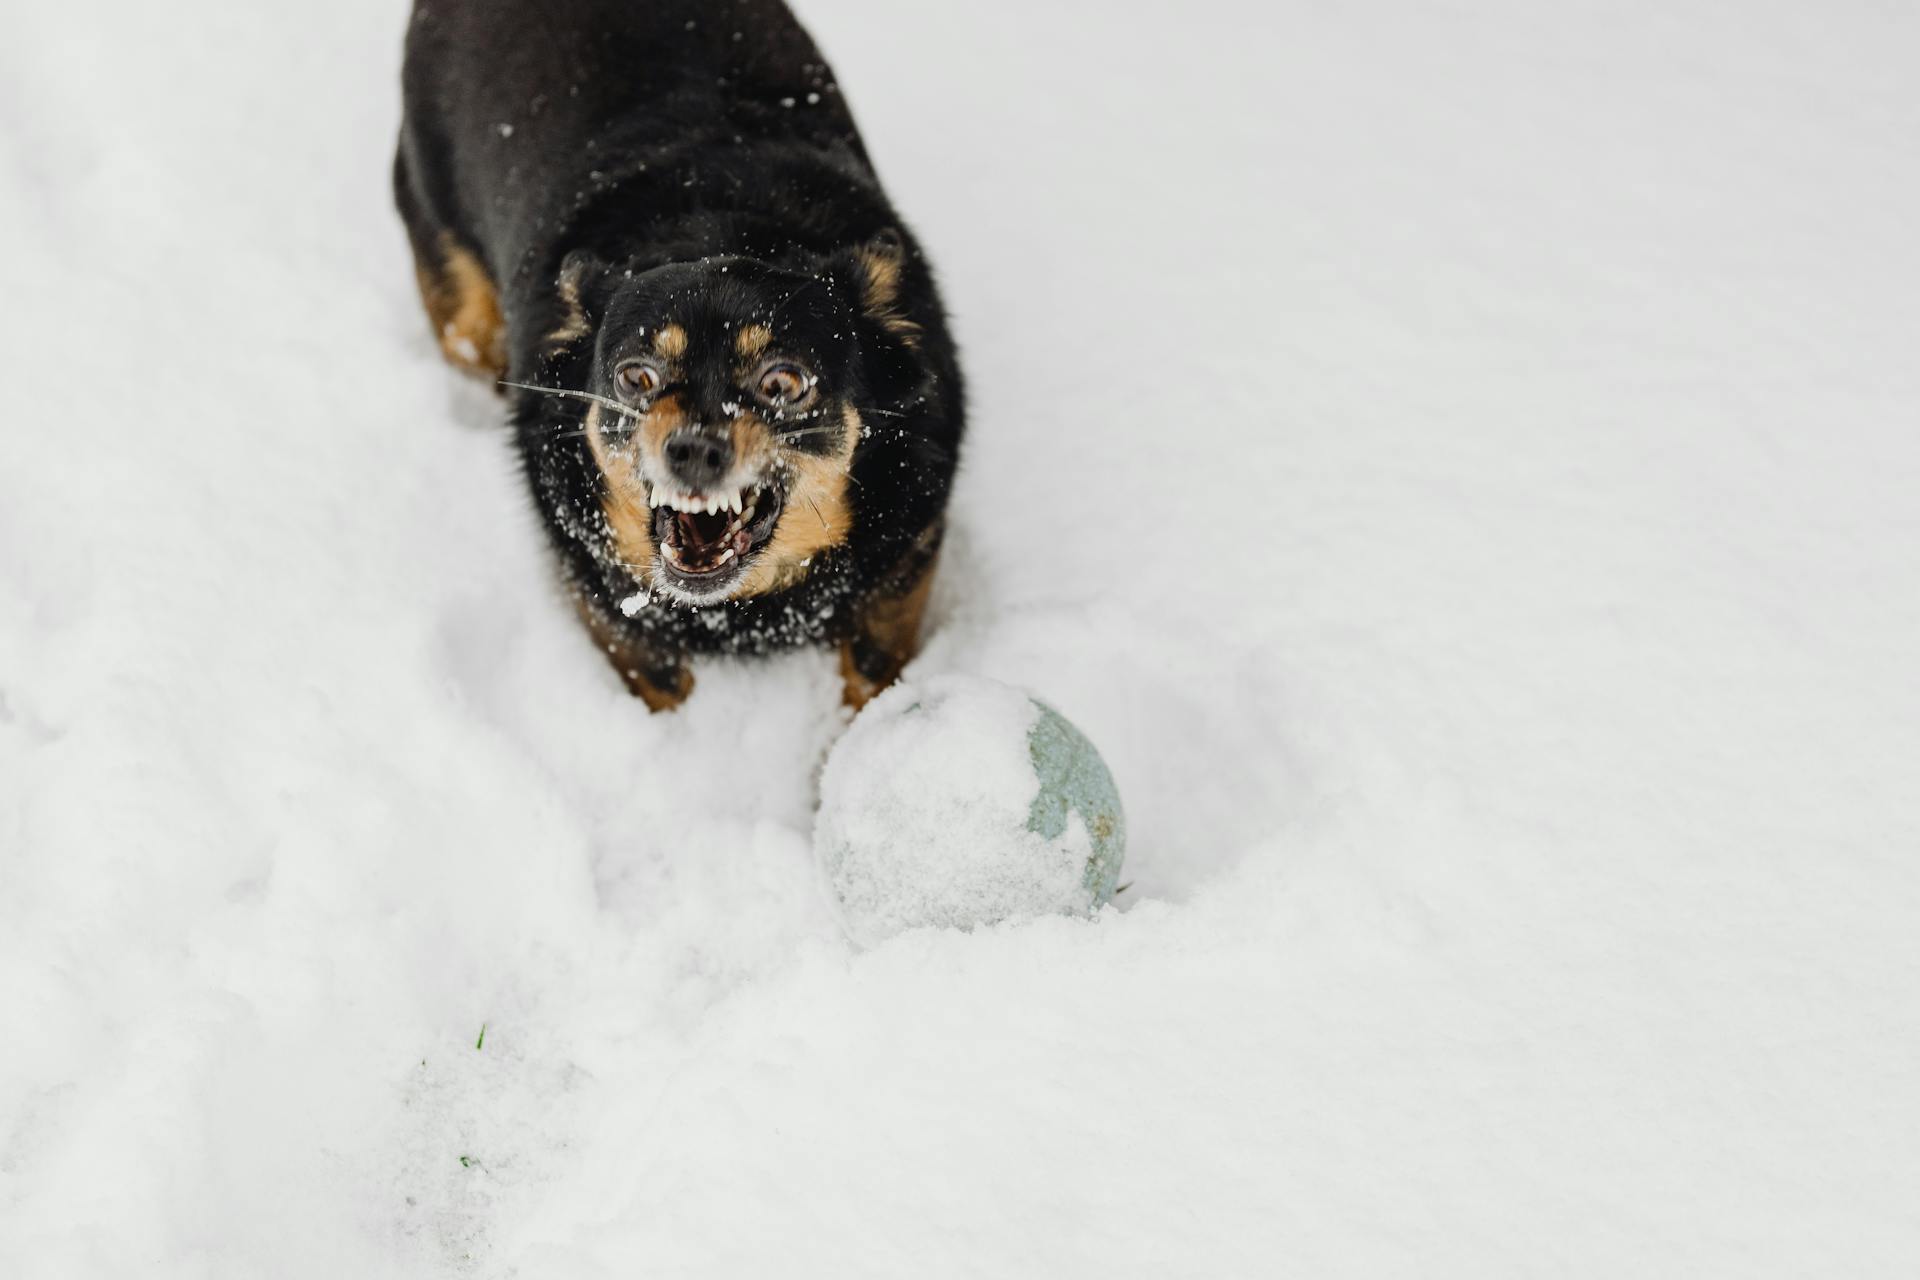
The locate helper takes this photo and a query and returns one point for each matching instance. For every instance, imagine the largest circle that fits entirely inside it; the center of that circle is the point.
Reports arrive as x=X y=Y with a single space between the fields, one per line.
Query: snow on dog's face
x=727 y=411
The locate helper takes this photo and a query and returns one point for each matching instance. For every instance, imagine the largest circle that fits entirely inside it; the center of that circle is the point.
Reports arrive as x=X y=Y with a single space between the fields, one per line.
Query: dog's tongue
x=700 y=530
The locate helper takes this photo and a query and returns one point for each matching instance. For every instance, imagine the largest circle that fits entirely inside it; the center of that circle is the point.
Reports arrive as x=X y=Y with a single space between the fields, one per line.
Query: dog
x=653 y=225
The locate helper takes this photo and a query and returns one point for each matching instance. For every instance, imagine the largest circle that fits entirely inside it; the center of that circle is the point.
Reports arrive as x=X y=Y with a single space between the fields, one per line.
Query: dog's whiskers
x=604 y=402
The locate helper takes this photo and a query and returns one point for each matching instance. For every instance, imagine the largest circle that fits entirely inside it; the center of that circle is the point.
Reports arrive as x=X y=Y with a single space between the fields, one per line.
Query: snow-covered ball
x=959 y=801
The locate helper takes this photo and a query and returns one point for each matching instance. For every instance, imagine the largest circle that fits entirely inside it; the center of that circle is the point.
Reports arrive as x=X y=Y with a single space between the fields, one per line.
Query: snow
x=925 y=807
x=1458 y=462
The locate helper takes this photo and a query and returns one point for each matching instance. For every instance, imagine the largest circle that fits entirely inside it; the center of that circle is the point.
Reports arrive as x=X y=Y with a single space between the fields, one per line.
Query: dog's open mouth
x=704 y=539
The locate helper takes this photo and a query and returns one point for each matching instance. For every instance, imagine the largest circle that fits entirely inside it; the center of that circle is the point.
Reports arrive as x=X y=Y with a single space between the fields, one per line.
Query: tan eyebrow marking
x=818 y=517
x=670 y=342
x=752 y=340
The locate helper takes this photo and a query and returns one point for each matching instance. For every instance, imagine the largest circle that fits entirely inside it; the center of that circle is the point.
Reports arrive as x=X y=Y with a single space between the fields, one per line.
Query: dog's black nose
x=698 y=459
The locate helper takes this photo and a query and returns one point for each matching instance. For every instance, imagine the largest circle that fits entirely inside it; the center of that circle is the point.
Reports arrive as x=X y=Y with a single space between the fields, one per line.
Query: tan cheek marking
x=670 y=342
x=818 y=516
x=752 y=340
x=754 y=447
x=625 y=504
x=665 y=416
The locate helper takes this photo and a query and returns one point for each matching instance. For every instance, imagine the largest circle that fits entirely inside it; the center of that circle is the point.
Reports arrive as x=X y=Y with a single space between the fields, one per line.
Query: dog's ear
x=879 y=267
x=876 y=271
x=580 y=299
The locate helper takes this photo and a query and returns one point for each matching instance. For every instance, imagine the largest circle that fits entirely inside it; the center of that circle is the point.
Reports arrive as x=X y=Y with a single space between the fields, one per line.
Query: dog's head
x=728 y=398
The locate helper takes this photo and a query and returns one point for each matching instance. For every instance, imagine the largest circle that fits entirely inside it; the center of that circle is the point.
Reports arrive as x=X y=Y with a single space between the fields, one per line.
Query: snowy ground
x=1462 y=462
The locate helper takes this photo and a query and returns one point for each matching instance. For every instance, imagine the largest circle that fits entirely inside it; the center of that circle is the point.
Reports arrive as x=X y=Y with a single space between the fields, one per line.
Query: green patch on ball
x=1075 y=780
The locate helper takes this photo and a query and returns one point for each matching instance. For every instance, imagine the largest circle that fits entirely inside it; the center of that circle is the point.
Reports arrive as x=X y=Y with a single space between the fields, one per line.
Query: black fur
x=611 y=138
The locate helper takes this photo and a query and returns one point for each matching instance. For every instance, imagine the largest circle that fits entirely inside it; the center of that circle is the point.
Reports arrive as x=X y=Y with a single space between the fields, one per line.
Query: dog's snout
x=697 y=458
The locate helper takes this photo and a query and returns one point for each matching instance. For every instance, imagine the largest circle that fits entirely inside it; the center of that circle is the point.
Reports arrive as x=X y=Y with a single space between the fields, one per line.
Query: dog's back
x=518 y=111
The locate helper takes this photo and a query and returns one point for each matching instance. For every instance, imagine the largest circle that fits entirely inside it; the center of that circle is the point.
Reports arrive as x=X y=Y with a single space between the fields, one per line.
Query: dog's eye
x=637 y=380
x=784 y=385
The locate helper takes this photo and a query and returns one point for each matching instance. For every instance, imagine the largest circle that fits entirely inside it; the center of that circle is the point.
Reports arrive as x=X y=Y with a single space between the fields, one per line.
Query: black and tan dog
x=732 y=387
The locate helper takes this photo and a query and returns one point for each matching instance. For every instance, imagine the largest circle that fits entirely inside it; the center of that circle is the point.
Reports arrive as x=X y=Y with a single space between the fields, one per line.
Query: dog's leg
x=661 y=680
x=464 y=309
x=662 y=688
x=462 y=304
x=888 y=630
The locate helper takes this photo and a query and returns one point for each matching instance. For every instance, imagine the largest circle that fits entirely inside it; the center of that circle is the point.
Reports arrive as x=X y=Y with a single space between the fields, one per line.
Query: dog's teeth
x=741 y=502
